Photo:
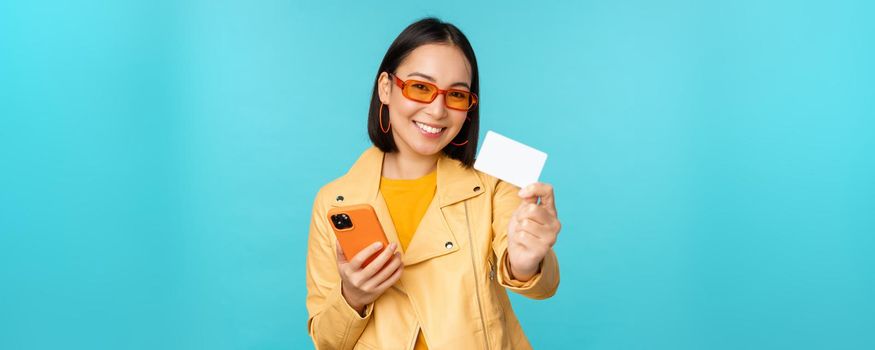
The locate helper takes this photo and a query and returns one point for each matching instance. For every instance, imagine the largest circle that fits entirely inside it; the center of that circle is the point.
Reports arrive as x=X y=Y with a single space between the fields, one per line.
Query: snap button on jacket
x=454 y=285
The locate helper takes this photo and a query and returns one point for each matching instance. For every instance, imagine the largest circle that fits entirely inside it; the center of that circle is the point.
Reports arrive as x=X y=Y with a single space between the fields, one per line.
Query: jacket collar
x=435 y=235
x=455 y=183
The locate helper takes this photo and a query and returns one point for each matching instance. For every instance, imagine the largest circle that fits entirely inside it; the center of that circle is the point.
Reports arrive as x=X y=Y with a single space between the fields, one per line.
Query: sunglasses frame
x=402 y=83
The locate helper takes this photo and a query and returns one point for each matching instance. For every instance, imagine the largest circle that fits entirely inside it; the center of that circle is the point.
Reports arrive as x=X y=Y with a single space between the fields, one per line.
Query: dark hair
x=428 y=31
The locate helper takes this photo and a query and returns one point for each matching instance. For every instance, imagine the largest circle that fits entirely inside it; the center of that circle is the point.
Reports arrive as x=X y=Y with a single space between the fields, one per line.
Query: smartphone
x=356 y=228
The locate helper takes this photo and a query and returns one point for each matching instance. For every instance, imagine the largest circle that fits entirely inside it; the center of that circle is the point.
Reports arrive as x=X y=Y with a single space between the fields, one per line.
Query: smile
x=428 y=129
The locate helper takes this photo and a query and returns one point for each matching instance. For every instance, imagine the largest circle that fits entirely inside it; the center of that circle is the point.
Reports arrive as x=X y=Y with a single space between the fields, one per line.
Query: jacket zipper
x=476 y=279
x=493 y=271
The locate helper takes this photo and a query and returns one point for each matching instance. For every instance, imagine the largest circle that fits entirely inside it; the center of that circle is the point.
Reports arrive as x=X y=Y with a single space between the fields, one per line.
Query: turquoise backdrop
x=713 y=164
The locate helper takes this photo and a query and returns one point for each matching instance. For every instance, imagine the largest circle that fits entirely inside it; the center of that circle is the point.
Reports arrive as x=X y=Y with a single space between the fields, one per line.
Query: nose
x=437 y=108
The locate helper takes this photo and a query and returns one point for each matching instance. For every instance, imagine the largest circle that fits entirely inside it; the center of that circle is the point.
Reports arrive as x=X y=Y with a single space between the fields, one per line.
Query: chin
x=428 y=150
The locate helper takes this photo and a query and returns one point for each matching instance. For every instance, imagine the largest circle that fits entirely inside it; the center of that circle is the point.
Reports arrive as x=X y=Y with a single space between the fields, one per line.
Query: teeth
x=428 y=129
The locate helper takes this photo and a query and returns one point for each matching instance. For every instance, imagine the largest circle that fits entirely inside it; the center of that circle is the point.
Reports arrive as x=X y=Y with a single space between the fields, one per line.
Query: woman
x=458 y=237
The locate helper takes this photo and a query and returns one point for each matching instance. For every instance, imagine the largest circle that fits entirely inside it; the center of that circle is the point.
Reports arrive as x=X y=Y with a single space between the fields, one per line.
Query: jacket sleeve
x=332 y=323
x=543 y=285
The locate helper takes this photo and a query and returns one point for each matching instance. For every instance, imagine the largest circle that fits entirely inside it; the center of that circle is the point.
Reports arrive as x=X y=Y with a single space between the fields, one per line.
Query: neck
x=408 y=165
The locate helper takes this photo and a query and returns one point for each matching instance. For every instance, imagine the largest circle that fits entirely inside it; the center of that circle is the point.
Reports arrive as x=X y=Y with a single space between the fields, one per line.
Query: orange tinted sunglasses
x=425 y=92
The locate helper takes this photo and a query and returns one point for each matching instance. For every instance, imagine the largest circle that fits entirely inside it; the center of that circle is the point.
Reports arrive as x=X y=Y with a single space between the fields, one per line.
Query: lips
x=429 y=129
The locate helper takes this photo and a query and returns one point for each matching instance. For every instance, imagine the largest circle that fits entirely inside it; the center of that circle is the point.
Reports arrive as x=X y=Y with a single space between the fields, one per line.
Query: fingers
x=546 y=233
x=378 y=262
x=534 y=239
x=366 y=253
x=536 y=230
x=540 y=190
x=526 y=239
x=392 y=279
x=341 y=258
x=387 y=271
x=530 y=199
x=535 y=213
x=362 y=286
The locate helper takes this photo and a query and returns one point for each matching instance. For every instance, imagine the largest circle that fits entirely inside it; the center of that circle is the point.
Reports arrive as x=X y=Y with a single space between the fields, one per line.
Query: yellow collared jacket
x=455 y=280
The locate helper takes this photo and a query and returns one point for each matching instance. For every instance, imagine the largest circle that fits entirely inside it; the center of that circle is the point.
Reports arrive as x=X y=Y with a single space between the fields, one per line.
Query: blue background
x=713 y=164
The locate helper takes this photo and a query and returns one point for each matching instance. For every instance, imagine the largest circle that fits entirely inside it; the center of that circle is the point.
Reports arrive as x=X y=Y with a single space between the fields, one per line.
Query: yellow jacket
x=455 y=279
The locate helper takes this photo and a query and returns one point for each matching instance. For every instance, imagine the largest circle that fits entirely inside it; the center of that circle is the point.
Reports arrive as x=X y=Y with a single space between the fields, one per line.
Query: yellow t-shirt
x=407 y=201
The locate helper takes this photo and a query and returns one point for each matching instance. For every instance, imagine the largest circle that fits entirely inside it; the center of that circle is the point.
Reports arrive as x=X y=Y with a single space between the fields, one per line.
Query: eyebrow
x=429 y=78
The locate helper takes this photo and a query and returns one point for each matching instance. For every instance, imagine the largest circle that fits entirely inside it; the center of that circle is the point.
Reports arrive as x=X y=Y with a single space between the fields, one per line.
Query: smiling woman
x=465 y=236
x=423 y=54
x=423 y=126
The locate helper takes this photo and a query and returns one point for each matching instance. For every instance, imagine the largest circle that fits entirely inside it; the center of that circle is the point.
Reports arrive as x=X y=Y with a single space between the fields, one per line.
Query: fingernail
x=378 y=244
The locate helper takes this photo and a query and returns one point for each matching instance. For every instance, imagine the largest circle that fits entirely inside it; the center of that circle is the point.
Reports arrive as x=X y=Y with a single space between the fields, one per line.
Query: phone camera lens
x=341 y=221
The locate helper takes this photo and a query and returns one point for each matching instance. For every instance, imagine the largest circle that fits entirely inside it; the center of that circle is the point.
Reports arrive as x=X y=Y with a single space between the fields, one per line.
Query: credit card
x=509 y=160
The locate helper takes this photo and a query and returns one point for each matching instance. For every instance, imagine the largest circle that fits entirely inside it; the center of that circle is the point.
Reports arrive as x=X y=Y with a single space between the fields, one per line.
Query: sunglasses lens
x=458 y=99
x=419 y=91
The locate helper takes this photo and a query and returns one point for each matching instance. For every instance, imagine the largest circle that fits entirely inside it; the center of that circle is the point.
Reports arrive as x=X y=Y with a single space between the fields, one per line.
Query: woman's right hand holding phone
x=361 y=285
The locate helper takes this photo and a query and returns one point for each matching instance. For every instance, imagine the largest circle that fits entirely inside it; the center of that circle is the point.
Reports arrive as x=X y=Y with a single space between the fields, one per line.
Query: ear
x=384 y=87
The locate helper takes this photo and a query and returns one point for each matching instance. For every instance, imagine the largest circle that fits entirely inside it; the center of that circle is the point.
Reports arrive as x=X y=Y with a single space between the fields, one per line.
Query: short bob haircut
x=428 y=31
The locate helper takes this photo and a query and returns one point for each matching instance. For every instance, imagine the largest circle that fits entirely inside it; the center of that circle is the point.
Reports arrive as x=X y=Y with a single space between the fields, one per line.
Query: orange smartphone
x=357 y=227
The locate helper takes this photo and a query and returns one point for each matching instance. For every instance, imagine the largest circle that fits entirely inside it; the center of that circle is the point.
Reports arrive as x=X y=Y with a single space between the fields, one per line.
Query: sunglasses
x=425 y=92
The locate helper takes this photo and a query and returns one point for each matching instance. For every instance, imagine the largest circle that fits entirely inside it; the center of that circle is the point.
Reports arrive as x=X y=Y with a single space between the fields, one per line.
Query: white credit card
x=509 y=160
